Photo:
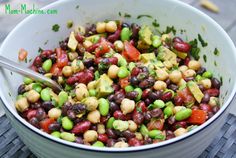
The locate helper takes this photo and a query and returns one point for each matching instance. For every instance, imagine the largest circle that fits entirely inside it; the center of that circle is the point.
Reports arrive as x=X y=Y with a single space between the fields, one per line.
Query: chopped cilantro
x=141 y=16
x=26 y=60
x=119 y=14
x=55 y=28
x=203 y=43
x=169 y=30
x=139 y=109
x=127 y=15
x=46 y=42
x=155 y=24
x=194 y=49
x=215 y=63
x=205 y=58
x=69 y=24
x=221 y=80
x=77 y=7
x=30 y=60
x=40 y=50
x=216 y=52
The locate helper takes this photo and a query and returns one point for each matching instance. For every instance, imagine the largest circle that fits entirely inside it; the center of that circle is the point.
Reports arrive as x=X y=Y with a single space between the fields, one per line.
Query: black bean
x=210 y=114
x=142 y=75
x=125 y=25
x=93 y=127
x=40 y=114
x=111 y=142
x=54 y=127
x=88 y=62
x=171 y=120
x=138 y=118
x=135 y=30
x=168 y=81
x=132 y=95
x=215 y=109
x=35 y=105
x=201 y=71
x=78 y=108
x=147 y=101
x=47 y=105
x=34 y=121
x=201 y=87
x=113 y=107
x=21 y=89
x=65 y=108
x=147 y=116
x=147 y=140
x=122 y=139
x=215 y=83
x=156 y=112
x=153 y=95
x=41 y=71
x=111 y=97
x=53 y=57
x=111 y=134
x=90 y=29
x=134 y=81
x=173 y=87
x=206 y=98
x=169 y=135
x=189 y=79
x=119 y=97
x=145 y=69
x=63 y=45
x=144 y=84
x=71 y=114
x=127 y=134
x=79 y=140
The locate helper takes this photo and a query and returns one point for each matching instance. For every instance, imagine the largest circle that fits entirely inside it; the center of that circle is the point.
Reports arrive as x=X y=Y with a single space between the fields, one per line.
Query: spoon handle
x=13 y=66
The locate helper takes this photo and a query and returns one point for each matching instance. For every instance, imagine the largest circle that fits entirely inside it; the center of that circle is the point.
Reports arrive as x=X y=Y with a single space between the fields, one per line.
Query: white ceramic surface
x=34 y=31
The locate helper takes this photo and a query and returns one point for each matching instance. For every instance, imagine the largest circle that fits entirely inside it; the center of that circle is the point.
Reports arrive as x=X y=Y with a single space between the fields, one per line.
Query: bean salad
x=123 y=85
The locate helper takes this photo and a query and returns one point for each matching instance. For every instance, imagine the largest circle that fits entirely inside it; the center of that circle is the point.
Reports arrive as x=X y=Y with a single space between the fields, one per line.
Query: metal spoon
x=13 y=66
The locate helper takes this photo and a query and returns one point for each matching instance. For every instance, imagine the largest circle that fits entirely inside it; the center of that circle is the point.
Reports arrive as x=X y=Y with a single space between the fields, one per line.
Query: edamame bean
x=156 y=41
x=27 y=80
x=123 y=72
x=183 y=114
x=139 y=90
x=47 y=65
x=37 y=87
x=168 y=111
x=103 y=106
x=125 y=34
x=92 y=92
x=122 y=62
x=45 y=94
x=62 y=98
x=68 y=87
x=67 y=124
x=170 y=104
x=129 y=88
x=156 y=134
x=56 y=134
x=98 y=144
x=198 y=78
x=131 y=66
x=143 y=130
x=207 y=74
x=110 y=122
x=158 y=104
x=67 y=136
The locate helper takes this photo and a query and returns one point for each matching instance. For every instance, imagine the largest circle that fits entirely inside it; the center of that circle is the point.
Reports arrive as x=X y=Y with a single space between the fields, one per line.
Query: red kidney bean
x=156 y=124
x=206 y=98
x=113 y=107
x=215 y=109
x=166 y=96
x=201 y=71
x=215 y=83
x=205 y=107
x=138 y=117
x=145 y=93
x=93 y=47
x=179 y=124
x=79 y=37
x=147 y=116
x=46 y=54
x=119 y=115
x=141 y=105
x=134 y=142
x=186 y=61
x=113 y=60
x=37 y=61
x=147 y=140
x=201 y=87
x=81 y=77
x=34 y=121
x=177 y=39
x=127 y=134
x=169 y=135
x=103 y=138
x=31 y=113
x=132 y=42
x=189 y=79
x=116 y=88
x=79 y=140
x=135 y=71
x=54 y=127
x=213 y=92
x=156 y=112
x=81 y=127
x=135 y=29
x=171 y=120
x=115 y=36
x=111 y=142
x=40 y=114
x=132 y=95
x=111 y=133
x=97 y=60
x=104 y=119
x=178 y=100
x=182 y=46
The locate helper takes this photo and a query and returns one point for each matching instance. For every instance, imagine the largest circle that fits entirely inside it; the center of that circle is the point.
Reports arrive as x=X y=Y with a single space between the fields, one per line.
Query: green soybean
x=67 y=124
x=92 y=92
x=103 y=106
x=37 y=87
x=56 y=134
x=129 y=88
x=125 y=34
x=19 y=97
x=170 y=104
x=168 y=111
x=47 y=65
x=139 y=90
x=27 y=80
x=123 y=72
x=68 y=87
x=131 y=66
x=96 y=75
x=98 y=144
x=110 y=122
x=183 y=114
x=62 y=98
x=45 y=94
x=158 y=104
x=122 y=62
x=198 y=78
x=207 y=74
x=143 y=130
x=156 y=41
x=156 y=134
x=67 y=136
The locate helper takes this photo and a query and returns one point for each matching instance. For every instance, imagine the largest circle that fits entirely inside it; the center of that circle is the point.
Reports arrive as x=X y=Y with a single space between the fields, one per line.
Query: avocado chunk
x=72 y=43
x=103 y=86
x=88 y=55
x=181 y=55
x=147 y=57
x=194 y=89
x=95 y=38
x=167 y=55
x=145 y=35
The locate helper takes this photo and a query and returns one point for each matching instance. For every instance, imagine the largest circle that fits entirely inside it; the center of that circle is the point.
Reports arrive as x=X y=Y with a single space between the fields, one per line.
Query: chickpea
x=60 y=80
x=132 y=126
x=94 y=116
x=33 y=96
x=72 y=55
x=160 y=85
x=87 y=44
x=195 y=65
x=90 y=136
x=81 y=29
x=67 y=71
x=168 y=64
x=22 y=104
x=178 y=108
x=138 y=135
x=206 y=83
x=119 y=46
x=162 y=74
x=175 y=76
x=111 y=26
x=213 y=101
x=91 y=85
x=121 y=144
x=181 y=82
x=189 y=73
x=127 y=106
x=183 y=68
x=180 y=131
x=91 y=103
x=113 y=71
x=54 y=113
x=81 y=93
x=29 y=87
x=101 y=129
x=101 y=27
x=77 y=65
x=81 y=85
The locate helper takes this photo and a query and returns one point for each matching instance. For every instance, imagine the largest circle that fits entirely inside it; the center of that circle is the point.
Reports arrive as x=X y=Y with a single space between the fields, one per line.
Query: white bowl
x=35 y=30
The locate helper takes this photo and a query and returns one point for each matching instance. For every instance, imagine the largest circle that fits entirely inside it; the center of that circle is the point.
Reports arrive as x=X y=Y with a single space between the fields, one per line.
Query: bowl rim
x=129 y=149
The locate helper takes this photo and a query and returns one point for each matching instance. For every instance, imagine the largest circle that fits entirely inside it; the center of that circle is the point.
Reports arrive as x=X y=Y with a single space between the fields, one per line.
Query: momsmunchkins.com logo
x=26 y=9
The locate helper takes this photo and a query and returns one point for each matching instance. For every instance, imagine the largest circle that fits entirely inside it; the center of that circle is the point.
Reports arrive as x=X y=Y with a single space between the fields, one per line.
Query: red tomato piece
x=44 y=124
x=102 y=49
x=197 y=117
x=124 y=82
x=55 y=70
x=130 y=52
x=62 y=59
x=186 y=95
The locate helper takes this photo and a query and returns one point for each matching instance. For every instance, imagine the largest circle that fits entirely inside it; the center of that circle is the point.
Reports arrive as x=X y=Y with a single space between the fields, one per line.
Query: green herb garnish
x=169 y=30
x=40 y=50
x=127 y=15
x=141 y=16
x=69 y=24
x=205 y=58
x=216 y=52
x=55 y=28
x=203 y=43
x=155 y=24
x=194 y=49
x=77 y=7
